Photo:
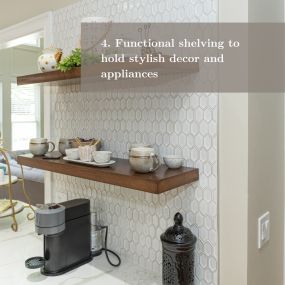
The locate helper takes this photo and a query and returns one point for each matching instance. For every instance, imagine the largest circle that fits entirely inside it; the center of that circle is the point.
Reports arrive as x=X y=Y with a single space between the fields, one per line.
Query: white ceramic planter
x=49 y=59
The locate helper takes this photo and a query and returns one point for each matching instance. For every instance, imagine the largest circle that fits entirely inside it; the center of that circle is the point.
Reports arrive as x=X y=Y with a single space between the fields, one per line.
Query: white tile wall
x=174 y=123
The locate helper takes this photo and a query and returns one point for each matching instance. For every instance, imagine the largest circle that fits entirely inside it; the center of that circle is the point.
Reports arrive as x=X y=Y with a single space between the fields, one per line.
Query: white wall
x=15 y=11
x=251 y=170
x=233 y=169
x=233 y=188
x=266 y=167
x=174 y=123
x=265 y=186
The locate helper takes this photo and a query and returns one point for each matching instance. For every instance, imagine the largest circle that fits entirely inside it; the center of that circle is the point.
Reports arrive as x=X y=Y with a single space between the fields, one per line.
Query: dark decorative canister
x=178 y=244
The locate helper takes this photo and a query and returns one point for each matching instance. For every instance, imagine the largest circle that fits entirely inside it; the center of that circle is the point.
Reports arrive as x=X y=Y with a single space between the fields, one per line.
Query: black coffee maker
x=67 y=241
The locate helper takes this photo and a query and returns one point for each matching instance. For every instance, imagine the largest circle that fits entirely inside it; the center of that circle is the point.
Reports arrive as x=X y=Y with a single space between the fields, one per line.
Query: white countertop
x=15 y=248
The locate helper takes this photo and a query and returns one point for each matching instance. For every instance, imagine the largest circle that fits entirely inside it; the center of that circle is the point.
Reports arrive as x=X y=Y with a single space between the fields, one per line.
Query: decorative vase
x=178 y=246
x=49 y=59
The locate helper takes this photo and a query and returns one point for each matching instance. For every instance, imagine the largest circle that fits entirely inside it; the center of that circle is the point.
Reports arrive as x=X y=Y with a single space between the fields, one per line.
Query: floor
x=15 y=248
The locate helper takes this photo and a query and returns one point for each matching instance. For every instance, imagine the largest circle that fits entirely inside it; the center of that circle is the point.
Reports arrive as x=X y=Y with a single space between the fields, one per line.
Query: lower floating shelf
x=119 y=174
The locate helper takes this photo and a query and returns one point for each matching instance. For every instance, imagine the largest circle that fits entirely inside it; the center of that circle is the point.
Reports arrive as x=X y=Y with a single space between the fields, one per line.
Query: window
x=25 y=115
x=34 y=42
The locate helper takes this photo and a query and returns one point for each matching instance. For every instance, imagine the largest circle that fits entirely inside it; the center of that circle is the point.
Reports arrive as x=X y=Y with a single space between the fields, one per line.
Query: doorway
x=25 y=108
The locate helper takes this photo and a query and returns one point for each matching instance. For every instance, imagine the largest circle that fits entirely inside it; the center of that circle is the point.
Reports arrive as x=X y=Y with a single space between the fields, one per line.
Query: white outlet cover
x=263 y=230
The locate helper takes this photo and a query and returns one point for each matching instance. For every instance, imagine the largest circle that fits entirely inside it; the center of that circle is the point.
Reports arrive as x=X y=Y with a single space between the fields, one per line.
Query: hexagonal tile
x=178 y=127
x=173 y=123
x=203 y=260
x=178 y=103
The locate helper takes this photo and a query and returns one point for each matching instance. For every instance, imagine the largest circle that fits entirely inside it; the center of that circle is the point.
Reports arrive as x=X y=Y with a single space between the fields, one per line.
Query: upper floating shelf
x=52 y=76
x=75 y=74
x=120 y=174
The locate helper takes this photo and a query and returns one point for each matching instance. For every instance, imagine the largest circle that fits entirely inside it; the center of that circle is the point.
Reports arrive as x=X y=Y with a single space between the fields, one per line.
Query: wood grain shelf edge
x=121 y=174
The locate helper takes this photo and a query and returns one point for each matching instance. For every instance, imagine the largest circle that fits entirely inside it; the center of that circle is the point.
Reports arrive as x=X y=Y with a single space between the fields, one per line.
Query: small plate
x=91 y=163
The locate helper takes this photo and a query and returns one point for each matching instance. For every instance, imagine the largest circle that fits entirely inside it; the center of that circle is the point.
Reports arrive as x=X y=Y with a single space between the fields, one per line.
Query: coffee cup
x=40 y=146
x=101 y=156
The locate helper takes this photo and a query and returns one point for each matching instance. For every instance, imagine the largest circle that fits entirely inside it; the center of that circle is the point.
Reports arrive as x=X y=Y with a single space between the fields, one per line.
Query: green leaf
x=71 y=61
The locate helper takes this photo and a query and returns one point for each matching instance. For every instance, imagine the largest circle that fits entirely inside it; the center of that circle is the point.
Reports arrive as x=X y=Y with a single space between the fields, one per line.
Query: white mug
x=40 y=146
x=101 y=156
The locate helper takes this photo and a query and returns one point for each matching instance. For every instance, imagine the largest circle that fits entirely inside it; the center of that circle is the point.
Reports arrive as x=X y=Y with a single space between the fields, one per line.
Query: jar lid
x=38 y=140
x=178 y=234
x=142 y=151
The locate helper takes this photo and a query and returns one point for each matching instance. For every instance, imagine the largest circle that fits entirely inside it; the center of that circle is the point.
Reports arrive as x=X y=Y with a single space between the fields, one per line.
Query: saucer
x=105 y=164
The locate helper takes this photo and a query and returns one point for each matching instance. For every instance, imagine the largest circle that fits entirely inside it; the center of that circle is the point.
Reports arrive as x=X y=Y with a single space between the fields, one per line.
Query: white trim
x=284 y=182
x=34 y=26
x=14 y=35
x=47 y=134
x=48 y=41
x=284 y=179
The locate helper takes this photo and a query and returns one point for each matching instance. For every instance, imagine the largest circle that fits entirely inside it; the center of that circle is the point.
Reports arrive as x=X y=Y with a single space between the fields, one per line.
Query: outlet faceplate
x=263 y=230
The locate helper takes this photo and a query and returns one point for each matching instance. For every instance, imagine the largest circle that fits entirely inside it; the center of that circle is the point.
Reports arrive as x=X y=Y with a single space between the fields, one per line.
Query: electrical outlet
x=263 y=230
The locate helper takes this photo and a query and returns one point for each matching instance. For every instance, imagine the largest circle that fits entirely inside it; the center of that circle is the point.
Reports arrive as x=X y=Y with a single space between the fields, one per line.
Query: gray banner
x=182 y=57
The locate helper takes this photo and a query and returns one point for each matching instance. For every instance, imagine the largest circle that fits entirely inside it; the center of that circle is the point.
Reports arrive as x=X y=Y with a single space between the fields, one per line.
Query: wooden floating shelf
x=119 y=174
x=52 y=76
x=75 y=74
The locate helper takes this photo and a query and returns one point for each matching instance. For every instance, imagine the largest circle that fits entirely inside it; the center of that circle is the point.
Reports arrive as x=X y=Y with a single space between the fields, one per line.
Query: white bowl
x=72 y=153
x=173 y=161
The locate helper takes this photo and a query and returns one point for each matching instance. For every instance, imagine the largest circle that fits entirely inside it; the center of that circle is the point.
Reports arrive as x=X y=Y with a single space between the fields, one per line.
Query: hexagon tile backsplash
x=174 y=123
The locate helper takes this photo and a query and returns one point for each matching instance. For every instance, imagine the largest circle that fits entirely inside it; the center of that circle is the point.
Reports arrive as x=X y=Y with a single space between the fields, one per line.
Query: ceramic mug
x=40 y=146
x=102 y=156
x=143 y=159
x=63 y=145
